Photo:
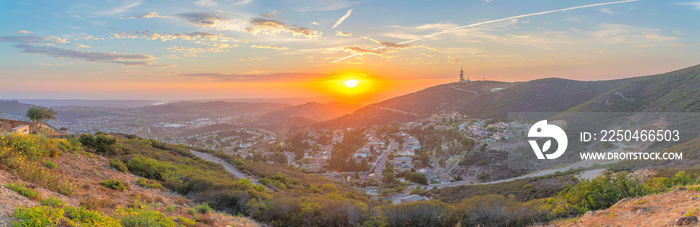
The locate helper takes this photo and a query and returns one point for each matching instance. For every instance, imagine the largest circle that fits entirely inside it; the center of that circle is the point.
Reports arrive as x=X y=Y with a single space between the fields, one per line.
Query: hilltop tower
x=461 y=75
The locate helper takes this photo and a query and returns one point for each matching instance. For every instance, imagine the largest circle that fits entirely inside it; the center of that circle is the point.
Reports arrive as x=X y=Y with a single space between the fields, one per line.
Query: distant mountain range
x=311 y=111
x=673 y=91
x=274 y=116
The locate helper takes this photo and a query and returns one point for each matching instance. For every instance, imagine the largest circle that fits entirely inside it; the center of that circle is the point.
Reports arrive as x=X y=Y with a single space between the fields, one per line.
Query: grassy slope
x=83 y=174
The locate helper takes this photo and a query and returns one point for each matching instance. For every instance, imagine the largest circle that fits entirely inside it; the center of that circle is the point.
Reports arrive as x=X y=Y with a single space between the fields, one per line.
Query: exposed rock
x=690 y=220
x=622 y=201
x=589 y=214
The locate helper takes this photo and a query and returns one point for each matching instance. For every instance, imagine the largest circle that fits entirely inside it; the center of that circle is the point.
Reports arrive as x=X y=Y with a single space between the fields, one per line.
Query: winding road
x=378 y=165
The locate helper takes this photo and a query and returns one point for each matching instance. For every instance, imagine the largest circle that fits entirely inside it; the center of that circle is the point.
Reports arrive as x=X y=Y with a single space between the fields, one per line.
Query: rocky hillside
x=678 y=207
x=56 y=182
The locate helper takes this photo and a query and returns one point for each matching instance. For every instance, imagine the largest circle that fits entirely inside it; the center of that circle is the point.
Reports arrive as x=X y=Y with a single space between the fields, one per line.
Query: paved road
x=582 y=164
x=381 y=161
x=590 y=174
x=230 y=168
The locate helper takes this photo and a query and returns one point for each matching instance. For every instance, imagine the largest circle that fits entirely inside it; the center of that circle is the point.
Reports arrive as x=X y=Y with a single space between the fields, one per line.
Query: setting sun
x=351 y=87
x=351 y=83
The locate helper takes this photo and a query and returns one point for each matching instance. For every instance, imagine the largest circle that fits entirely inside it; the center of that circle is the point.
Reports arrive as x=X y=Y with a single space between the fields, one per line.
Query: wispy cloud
x=327 y=5
x=195 y=51
x=606 y=10
x=393 y=44
x=684 y=44
x=208 y=42
x=206 y=3
x=269 y=47
x=243 y=2
x=425 y=27
x=260 y=25
x=45 y=46
x=252 y=59
x=362 y=51
x=620 y=33
x=452 y=59
x=119 y=9
x=102 y=57
x=23 y=32
x=453 y=29
x=339 y=33
x=25 y=39
x=255 y=76
x=272 y=14
x=342 y=18
x=694 y=5
x=199 y=37
x=202 y=18
x=149 y=15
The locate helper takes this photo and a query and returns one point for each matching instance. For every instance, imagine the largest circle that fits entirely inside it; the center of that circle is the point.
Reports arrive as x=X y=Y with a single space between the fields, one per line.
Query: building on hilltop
x=12 y=126
x=461 y=75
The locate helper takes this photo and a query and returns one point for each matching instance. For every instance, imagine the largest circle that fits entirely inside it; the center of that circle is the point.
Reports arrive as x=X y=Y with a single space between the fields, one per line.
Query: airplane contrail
x=342 y=18
x=493 y=21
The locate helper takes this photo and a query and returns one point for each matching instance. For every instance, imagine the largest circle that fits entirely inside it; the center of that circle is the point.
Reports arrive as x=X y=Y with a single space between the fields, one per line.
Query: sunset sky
x=198 y=49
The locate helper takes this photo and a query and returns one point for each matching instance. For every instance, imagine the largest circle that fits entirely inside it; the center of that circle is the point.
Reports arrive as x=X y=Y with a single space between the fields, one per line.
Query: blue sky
x=254 y=48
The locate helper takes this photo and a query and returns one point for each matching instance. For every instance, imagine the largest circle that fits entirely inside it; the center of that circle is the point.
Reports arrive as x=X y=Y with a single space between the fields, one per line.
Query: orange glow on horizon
x=349 y=87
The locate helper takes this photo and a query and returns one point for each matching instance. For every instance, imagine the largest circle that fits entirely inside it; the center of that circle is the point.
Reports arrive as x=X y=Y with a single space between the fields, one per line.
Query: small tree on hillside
x=40 y=114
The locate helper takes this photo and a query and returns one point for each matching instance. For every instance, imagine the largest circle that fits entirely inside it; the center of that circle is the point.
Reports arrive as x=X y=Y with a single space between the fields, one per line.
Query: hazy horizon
x=210 y=49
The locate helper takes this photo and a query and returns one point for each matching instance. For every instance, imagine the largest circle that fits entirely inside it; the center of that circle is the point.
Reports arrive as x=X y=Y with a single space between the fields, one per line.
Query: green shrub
x=203 y=208
x=114 y=184
x=170 y=208
x=23 y=190
x=603 y=191
x=132 y=217
x=90 y=217
x=414 y=213
x=146 y=183
x=50 y=165
x=329 y=188
x=67 y=216
x=681 y=179
x=101 y=143
x=416 y=178
x=186 y=221
x=417 y=191
x=38 y=216
x=313 y=188
x=118 y=165
x=150 y=168
x=657 y=184
x=52 y=202
x=33 y=147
